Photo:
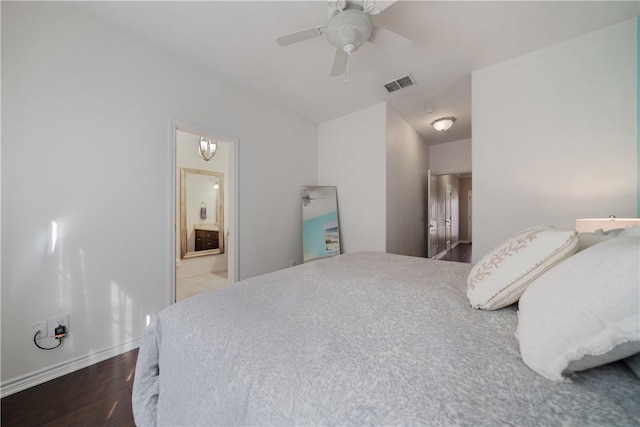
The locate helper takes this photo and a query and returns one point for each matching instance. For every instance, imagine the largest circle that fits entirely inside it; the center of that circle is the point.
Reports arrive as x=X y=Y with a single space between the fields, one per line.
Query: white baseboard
x=440 y=255
x=43 y=375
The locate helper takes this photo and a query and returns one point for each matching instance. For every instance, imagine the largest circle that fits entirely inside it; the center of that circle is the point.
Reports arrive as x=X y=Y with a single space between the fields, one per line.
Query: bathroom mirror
x=201 y=213
x=320 y=228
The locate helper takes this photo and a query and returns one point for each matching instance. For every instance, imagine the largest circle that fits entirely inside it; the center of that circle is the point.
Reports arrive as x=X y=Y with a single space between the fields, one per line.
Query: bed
x=359 y=339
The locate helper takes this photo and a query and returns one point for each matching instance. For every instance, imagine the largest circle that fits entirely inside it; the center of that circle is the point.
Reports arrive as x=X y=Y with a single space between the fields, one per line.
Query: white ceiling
x=451 y=39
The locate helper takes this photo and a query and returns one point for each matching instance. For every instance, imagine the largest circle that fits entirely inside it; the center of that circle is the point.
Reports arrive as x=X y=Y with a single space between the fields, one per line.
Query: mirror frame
x=318 y=241
x=184 y=173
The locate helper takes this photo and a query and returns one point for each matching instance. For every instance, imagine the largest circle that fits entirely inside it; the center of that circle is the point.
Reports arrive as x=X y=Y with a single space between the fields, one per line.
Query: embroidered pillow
x=584 y=312
x=502 y=275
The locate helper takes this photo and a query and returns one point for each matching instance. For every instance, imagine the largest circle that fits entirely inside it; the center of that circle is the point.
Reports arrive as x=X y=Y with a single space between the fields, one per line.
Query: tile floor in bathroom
x=189 y=286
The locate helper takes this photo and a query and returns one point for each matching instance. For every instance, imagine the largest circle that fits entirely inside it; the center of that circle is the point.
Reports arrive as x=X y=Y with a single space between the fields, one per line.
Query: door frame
x=231 y=200
x=430 y=175
x=469 y=215
x=448 y=217
x=430 y=227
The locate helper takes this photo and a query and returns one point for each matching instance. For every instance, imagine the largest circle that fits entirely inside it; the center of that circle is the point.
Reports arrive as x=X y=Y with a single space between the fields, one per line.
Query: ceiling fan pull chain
x=347 y=68
x=347 y=57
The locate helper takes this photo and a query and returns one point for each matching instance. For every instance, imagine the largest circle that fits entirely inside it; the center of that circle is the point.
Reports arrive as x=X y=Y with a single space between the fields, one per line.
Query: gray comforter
x=358 y=339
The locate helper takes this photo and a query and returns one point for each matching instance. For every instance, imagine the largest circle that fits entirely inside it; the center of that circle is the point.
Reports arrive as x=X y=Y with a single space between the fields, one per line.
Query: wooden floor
x=461 y=253
x=99 y=395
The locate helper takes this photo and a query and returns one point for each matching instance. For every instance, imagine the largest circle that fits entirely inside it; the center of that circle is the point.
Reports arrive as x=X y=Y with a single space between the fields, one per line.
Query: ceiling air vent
x=400 y=83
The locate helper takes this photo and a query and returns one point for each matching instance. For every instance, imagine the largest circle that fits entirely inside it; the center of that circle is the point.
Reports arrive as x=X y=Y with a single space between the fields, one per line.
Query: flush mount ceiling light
x=208 y=148
x=443 y=123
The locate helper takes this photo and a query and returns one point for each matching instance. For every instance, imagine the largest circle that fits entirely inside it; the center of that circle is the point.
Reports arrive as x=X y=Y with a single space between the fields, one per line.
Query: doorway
x=450 y=207
x=432 y=221
x=469 y=213
x=204 y=211
x=448 y=223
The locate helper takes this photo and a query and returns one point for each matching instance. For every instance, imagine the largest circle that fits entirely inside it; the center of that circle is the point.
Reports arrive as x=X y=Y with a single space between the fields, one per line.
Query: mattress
x=358 y=339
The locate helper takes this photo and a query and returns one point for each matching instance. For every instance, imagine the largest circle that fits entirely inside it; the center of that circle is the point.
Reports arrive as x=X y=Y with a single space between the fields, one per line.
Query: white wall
x=379 y=165
x=352 y=156
x=465 y=187
x=450 y=157
x=555 y=136
x=407 y=166
x=86 y=142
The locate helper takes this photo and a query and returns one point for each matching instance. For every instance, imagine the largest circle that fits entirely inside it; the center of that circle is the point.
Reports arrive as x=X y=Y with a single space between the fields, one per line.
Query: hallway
x=461 y=253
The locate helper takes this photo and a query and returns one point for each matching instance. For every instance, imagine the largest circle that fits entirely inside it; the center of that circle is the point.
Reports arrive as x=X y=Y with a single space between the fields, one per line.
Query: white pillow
x=632 y=231
x=584 y=312
x=633 y=363
x=588 y=239
x=501 y=276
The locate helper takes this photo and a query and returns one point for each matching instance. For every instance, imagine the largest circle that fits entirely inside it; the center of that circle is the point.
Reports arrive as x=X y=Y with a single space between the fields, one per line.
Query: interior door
x=447 y=217
x=469 y=208
x=431 y=227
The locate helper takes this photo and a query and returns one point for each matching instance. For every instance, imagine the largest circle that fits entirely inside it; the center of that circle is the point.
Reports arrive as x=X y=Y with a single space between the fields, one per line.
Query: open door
x=469 y=216
x=448 y=214
x=442 y=226
x=431 y=226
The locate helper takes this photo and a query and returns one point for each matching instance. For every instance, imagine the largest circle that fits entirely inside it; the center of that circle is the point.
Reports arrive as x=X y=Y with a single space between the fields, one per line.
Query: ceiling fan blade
x=339 y=63
x=300 y=36
x=389 y=40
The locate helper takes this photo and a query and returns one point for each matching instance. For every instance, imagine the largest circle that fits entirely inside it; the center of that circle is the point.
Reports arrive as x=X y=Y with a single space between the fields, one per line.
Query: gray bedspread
x=358 y=339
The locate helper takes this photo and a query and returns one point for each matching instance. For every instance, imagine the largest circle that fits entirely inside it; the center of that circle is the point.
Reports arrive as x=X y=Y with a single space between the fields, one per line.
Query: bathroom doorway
x=204 y=211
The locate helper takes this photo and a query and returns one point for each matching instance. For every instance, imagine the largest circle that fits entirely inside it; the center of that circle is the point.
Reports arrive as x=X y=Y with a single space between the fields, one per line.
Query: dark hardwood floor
x=99 y=395
x=461 y=253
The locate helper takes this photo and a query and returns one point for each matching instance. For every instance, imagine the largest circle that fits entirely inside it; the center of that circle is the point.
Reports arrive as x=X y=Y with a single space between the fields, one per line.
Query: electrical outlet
x=38 y=326
x=55 y=321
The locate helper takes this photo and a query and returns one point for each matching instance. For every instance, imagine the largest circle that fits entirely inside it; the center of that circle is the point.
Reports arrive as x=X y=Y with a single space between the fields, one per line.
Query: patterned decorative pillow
x=584 y=312
x=502 y=275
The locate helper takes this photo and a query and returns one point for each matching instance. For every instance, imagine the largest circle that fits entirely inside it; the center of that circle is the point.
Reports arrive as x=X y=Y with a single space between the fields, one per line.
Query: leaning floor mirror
x=320 y=228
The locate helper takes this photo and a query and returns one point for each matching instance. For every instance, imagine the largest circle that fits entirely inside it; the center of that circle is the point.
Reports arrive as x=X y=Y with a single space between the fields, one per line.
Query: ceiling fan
x=350 y=26
x=306 y=198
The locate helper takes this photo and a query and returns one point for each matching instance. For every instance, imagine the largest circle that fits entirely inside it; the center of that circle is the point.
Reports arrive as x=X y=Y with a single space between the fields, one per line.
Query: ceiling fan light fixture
x=349 y=48
x=370 y=7
x=349 y=27
x=443 y=123
x=338 y=5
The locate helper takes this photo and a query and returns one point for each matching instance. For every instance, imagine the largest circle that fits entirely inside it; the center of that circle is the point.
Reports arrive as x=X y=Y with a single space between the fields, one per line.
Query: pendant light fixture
x=208 y=148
